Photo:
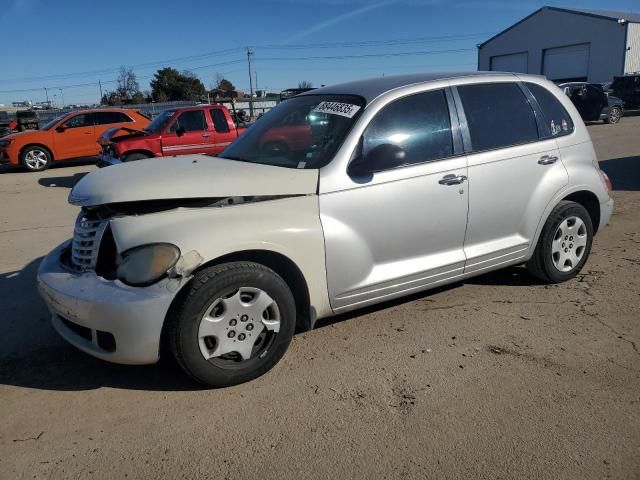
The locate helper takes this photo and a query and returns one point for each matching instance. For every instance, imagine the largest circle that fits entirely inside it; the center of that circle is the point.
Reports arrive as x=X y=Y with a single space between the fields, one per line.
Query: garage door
x=567 y=63
x=514 y=62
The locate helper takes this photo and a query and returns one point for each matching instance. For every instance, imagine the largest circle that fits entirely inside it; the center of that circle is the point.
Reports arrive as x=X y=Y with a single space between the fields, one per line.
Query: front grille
x=79 y=330
x=86 y=242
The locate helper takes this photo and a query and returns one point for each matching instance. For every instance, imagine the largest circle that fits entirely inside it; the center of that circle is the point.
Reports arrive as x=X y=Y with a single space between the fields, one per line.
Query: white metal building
x=567 y=44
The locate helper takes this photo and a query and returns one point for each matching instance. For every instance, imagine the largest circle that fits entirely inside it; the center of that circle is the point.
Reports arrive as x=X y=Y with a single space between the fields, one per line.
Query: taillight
x=605 y=180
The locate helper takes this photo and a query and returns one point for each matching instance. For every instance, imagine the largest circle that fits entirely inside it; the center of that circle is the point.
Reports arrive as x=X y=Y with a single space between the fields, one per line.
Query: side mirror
x=61 y=128
x=383 y=157
x=180 y=131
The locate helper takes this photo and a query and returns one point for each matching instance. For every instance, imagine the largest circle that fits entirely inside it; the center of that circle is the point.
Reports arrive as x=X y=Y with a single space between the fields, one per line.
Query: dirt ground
x=499 y=377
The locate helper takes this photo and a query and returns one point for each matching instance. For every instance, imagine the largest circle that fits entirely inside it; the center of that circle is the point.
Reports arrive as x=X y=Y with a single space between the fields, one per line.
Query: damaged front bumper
x=105 y=318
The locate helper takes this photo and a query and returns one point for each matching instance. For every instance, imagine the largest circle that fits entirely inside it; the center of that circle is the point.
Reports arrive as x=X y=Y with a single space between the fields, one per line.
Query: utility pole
x=47 y=94
x=62 y=95
x=249 y=54
x=100 y=85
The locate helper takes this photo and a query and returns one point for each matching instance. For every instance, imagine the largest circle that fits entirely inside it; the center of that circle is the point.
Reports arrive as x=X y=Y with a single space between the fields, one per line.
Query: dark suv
x=627 y=88
x=593 y=102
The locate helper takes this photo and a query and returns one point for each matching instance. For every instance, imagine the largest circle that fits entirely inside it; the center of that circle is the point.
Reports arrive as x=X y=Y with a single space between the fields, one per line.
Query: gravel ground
x=499 y=377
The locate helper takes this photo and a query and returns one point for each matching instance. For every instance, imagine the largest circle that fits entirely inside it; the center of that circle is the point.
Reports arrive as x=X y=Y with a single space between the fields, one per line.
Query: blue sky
x=74 y=43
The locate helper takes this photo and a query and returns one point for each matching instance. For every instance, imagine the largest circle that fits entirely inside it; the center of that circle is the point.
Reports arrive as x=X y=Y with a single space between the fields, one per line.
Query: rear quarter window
x=557 y=118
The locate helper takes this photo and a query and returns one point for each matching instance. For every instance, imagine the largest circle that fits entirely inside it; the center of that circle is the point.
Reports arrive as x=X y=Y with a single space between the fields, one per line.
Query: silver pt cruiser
x=343 y=197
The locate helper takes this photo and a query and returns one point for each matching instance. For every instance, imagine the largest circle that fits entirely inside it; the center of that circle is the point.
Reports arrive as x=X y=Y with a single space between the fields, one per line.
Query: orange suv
x=74 y=135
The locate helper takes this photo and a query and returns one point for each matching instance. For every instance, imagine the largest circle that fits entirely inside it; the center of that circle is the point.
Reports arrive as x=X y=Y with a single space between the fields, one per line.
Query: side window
x=419 y=124
x=105 y=118
x=498 y=115
x=80 y=120
x=219 y=121
x=190 y=121
x=556 y=116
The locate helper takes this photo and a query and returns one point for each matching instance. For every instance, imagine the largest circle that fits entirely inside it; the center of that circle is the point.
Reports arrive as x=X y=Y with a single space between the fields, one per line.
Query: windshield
x=51 y=123
x=160 y=122
x=303 y=132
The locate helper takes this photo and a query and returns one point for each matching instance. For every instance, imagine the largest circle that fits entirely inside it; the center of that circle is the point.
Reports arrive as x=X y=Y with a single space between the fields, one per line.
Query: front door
x=513 y=172
x=76 y=137
x=402 y=229
x=189 y=133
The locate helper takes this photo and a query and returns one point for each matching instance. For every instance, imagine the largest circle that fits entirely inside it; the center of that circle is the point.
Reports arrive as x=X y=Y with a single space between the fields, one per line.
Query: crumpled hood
x=189 y=176
x=109 y=135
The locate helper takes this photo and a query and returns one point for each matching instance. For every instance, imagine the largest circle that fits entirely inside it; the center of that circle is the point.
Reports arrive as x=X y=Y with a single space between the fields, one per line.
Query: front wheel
x=35 y=159
x=234 y=324
x=614 y=115
x=564 y=244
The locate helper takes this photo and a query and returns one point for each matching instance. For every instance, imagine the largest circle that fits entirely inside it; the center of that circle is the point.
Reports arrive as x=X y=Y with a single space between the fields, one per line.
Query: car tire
x=35 y=158
x=564 y=244
x=614 y=115
x=135 y=156
x=220 y=310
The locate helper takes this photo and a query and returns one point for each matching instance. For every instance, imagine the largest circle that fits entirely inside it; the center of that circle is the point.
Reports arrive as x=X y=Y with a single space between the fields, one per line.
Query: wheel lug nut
x=241 y=336
x=563 y=244
x=233 y=322
x=566 y=250
x=250 y=327
x=244 y=318
x=231 y=334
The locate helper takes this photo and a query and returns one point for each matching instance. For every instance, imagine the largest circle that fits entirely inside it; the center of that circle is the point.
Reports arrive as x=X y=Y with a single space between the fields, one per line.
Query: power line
x=159 y=63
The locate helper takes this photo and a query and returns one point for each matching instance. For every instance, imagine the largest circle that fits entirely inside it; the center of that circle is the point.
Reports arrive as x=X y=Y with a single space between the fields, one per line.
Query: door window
x=219 y=121
x=419 y=124
x=105 y=118
x=556 y=117
x=190 y=121
x=498 y=115
x=80 y=120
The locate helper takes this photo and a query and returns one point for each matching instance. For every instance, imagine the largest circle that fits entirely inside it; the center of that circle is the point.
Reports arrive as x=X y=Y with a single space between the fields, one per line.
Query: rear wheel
x=614 y=115
x=234 y=324
x=35 y=159
x=564 y=244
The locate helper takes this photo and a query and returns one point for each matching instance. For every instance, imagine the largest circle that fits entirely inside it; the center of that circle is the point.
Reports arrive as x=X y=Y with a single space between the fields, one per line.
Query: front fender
x=288 y=226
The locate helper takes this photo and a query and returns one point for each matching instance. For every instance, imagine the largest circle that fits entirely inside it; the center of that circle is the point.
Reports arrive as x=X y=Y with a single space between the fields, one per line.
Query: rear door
x=514 y=170
x=77 y=137
x=223 y=133
x=188 y=133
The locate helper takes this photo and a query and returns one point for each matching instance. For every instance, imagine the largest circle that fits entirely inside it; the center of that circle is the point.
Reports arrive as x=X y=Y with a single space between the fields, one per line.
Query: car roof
x=94 y=110
x=374 y=87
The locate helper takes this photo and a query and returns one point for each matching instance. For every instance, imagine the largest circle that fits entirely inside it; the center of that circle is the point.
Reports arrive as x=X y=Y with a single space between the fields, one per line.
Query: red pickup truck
x=180 y=131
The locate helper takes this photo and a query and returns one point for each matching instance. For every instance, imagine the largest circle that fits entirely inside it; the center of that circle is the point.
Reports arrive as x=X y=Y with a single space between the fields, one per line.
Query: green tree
x=169 y=84
x=223 y=84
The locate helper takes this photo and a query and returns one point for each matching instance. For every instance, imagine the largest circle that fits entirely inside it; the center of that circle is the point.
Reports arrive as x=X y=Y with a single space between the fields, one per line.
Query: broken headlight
x=147 y=264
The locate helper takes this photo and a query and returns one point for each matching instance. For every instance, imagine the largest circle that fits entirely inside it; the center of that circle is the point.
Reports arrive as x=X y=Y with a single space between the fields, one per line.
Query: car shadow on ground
x=623 y=172
x=33 y=356
x=62 y=164
x=511 y=276
x=62 y=182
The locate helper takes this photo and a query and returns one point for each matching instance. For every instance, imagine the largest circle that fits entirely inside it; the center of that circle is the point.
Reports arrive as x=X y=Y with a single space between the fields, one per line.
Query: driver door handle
x=452 y=179
x=547 y=159
x=206 y=135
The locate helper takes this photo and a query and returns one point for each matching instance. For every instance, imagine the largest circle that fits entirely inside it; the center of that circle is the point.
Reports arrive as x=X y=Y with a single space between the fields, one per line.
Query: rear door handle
x=452 y=179
x=206 y=135
x=547 y=159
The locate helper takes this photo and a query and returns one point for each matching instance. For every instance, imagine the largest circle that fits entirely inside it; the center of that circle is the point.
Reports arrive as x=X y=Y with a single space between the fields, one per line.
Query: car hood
x=26 y=135
x=189 y=177
x=109 y=135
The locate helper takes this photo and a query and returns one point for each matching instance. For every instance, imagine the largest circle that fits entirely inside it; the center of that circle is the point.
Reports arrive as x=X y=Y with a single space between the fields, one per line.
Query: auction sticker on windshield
x=337 y=108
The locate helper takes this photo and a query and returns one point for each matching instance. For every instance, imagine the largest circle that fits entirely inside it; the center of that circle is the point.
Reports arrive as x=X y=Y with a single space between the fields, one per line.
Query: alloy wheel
x=36 y=159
